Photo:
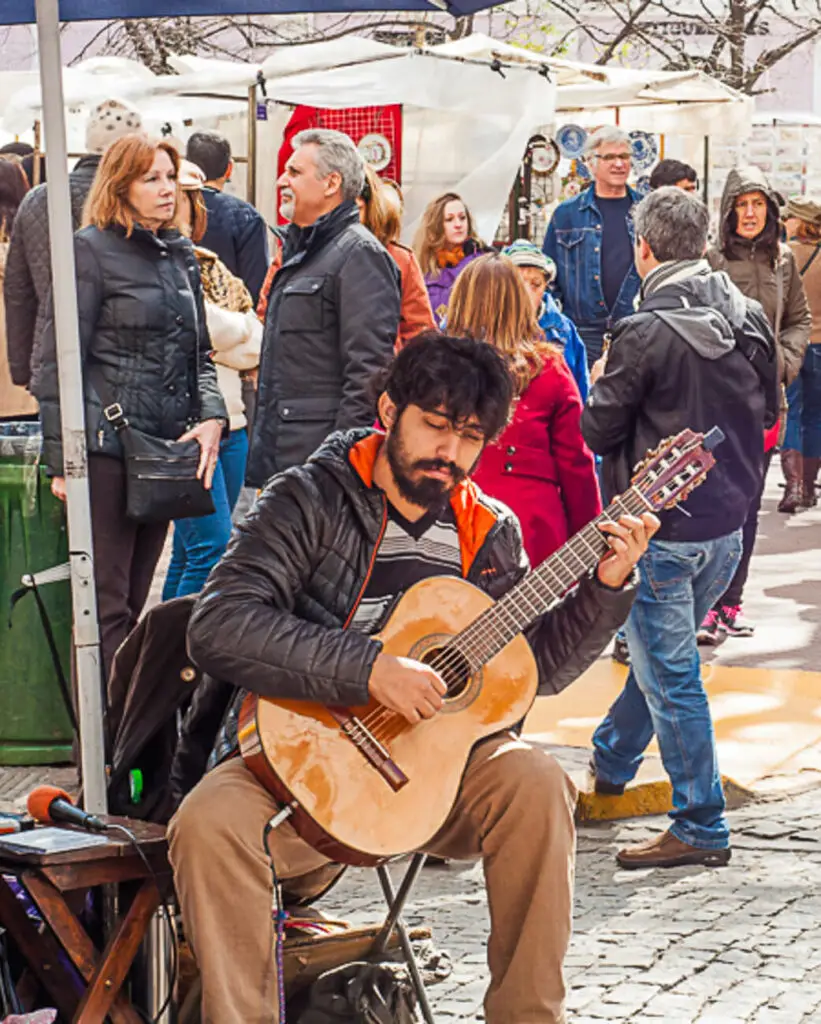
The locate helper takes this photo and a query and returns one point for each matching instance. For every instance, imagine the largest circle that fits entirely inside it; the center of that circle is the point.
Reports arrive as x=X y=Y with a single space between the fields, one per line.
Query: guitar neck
x=543 y=588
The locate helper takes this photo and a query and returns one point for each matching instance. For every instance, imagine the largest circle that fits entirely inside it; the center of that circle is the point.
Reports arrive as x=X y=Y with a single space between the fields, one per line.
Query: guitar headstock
x=671 y=471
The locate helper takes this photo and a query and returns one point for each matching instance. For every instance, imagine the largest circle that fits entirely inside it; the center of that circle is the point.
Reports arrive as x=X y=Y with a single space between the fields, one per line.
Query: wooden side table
x=50 y=880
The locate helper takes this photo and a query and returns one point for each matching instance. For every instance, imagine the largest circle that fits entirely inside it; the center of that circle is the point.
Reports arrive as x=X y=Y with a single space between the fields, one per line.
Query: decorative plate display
x=571 y=139
x=545 y=158
x=642 y=186
x=572 y=185
x=645 y=150
x=375 y=150
x=581 y=170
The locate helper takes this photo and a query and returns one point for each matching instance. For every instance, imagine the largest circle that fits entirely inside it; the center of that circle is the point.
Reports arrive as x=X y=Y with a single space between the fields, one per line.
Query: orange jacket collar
x=474 y=520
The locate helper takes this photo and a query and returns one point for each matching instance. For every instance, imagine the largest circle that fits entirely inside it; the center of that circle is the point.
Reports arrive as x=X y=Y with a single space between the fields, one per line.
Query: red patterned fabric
x=357 y=122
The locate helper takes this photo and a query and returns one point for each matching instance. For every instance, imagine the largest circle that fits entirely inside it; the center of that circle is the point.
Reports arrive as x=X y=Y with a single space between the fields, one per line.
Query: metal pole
x=72 y=413
x=251 y=166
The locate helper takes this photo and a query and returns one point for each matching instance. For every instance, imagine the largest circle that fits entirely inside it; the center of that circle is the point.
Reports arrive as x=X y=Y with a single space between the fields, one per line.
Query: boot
x=811 y=467
x=792 y=464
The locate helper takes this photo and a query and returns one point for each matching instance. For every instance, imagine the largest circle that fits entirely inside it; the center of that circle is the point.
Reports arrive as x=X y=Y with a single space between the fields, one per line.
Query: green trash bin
x=34 y=723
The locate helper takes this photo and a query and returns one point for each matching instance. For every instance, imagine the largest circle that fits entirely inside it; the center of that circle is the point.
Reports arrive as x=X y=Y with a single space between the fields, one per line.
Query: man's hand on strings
x=407 y=687
x=628 y=539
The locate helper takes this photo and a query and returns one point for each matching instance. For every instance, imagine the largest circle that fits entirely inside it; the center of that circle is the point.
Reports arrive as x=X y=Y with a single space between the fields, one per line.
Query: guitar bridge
x=371 y=749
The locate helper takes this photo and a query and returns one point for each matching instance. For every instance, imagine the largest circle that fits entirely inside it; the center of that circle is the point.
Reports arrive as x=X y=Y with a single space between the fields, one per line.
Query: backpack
x=360 y=993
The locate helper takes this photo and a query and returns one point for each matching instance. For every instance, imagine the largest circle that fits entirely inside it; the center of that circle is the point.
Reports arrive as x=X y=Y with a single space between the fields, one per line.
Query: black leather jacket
x=142 y=321
x=677 y=363
x=271 y=618
x=331 y=323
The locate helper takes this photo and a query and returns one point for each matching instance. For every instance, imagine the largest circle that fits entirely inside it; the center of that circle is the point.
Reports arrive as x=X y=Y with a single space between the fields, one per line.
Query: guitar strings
x=453 y=658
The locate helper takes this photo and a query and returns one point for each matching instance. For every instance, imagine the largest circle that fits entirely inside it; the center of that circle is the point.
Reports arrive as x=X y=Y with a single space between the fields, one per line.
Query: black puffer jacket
x=676 y=363
x=271 y=618
x=142 y=322
x=331 y=323
x=27 y=287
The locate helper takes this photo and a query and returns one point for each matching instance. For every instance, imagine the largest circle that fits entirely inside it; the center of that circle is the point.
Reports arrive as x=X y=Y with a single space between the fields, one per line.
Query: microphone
x=52 y=806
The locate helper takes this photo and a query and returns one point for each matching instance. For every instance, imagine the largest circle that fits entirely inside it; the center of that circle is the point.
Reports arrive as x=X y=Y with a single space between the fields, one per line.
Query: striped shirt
x=409 y=552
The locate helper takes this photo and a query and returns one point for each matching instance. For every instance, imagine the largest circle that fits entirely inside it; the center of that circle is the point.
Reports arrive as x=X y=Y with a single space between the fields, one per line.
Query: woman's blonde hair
x=430 y=236
x=490 y=302
x=381 y=217
x=199 y=213
x=125 y=160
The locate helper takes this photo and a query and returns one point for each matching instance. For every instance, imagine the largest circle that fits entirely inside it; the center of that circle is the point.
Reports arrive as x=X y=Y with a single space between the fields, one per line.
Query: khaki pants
x=514 y=810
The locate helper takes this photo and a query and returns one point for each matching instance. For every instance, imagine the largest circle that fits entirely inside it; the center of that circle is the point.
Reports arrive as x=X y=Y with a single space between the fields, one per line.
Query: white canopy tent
x=464 y=124
x=659 y=102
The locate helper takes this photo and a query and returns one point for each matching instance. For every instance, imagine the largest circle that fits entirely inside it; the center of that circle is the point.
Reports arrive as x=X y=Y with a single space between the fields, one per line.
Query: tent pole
x=72 y=413
x=251 y=166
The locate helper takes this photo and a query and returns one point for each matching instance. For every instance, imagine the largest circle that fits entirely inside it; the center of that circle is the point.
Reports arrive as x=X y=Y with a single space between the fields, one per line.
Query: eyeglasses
x=611 y=158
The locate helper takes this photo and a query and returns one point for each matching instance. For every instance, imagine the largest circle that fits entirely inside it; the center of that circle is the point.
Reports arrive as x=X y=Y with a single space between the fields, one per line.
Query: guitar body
x=345 y=807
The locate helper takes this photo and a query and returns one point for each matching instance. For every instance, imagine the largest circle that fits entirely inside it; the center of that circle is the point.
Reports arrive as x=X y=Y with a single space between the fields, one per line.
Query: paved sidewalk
x=738 y=945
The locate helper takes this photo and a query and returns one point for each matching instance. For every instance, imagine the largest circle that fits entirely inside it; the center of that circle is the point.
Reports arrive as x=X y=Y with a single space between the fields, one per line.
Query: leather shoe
x=602 y=786
x=665 y=851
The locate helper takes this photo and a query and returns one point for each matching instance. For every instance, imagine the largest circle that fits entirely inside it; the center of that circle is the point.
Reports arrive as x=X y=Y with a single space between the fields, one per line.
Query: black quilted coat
x=142 y=321
x=271 y=616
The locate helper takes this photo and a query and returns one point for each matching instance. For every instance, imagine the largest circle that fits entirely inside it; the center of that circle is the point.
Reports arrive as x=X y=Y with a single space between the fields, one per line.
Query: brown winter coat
x=755 y=267
x=803 y=251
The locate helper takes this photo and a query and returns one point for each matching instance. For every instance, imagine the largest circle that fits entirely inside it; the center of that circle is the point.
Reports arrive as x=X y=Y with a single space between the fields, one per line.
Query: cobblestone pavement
x=737 y=945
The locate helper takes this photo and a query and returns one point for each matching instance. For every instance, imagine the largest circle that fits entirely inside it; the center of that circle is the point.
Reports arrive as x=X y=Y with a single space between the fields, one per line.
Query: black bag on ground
x=361 y=993
x=161 y=475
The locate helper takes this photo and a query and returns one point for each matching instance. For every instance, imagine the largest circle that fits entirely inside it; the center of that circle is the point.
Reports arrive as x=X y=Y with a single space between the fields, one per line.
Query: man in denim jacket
x=590 y=239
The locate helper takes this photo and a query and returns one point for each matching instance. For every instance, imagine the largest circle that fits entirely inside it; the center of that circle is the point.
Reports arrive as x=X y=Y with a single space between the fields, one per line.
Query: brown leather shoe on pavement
x=665 y=851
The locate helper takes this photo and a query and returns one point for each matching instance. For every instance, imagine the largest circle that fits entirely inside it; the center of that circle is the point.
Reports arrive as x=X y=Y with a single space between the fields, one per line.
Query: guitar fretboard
x=543 y=588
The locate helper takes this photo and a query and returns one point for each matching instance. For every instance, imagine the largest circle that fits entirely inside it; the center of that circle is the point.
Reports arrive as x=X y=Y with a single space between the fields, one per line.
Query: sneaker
x=710 y=632
x=733 y=622
x=621 y=652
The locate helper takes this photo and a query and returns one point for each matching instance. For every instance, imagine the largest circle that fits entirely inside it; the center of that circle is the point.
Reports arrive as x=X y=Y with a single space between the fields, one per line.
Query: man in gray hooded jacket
x=696 y=354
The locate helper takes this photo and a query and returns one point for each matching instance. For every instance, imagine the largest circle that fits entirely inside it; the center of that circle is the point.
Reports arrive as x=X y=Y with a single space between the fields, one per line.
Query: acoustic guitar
x=361 y=784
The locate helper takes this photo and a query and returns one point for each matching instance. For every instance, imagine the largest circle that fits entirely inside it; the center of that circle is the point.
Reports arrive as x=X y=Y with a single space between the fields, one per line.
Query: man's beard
x=286 y=207
x=426 y=492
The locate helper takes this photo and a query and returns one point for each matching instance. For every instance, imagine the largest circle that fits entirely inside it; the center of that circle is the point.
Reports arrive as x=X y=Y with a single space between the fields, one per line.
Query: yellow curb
x=647 y=798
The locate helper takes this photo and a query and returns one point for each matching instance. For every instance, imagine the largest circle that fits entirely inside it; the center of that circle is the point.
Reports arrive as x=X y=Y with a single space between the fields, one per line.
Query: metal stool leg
x=396 y=902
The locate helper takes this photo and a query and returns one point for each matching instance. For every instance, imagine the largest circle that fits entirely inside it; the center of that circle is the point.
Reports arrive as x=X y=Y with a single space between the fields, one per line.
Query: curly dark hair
x=462 y=377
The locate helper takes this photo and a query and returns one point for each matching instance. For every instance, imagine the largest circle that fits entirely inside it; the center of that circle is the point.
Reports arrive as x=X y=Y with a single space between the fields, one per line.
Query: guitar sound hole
x=452 y=666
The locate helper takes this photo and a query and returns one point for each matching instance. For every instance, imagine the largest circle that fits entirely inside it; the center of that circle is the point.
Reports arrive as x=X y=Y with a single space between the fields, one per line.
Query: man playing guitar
x=290 y=613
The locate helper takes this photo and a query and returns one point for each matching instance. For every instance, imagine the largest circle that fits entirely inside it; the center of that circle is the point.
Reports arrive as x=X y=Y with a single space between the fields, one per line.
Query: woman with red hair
x=144 y=339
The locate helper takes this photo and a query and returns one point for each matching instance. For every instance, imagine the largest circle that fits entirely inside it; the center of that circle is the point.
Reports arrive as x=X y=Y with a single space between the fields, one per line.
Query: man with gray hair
x=333 y=310
x=590 y=239
x=696 y=354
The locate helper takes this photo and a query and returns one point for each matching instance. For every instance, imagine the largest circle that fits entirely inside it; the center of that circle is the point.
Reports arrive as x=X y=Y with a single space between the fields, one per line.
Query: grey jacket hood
x=739 y=181
x=704 y=307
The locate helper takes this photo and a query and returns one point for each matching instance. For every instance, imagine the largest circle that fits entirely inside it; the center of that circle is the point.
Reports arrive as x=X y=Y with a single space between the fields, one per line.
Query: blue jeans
x=804 y=398
x=199 y=543
x=664 y=694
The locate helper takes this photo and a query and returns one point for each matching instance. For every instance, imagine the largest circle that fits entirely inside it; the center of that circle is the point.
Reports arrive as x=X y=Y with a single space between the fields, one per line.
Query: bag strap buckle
x=115 y=416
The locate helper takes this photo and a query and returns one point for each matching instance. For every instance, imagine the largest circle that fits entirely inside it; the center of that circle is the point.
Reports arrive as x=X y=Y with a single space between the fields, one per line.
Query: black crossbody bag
x=161 y=475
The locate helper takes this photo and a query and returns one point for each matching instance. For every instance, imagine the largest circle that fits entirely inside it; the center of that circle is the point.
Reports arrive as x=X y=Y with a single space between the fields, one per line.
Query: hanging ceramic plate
x=375 y=150
x=571 y=139
x=545 y=158
x=642 y=186
x=581 y=170
x=645 y=150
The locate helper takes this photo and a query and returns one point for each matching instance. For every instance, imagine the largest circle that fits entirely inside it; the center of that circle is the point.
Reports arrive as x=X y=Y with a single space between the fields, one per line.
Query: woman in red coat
x=540 y=465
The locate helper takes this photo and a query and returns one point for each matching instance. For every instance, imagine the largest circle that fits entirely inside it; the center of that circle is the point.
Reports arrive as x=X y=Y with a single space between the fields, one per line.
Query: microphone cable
x=167 y=916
